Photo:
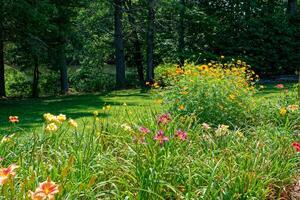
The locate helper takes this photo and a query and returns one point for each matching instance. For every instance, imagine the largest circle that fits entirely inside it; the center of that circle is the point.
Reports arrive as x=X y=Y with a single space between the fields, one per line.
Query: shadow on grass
x=30 y=111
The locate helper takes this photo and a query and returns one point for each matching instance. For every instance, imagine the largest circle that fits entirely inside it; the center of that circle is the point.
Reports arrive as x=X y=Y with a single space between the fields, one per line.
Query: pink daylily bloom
x=279 y=86
x=144 y=130
x=164 y=119
x=160 y=137
x=182 y=135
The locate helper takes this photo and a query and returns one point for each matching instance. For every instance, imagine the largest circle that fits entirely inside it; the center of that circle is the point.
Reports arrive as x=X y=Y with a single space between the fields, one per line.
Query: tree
x=2 y=76
x=181 y=44
x=138 y=57
x=61 y=19
x=292 y=7
x=150 y=40
x=120 y=58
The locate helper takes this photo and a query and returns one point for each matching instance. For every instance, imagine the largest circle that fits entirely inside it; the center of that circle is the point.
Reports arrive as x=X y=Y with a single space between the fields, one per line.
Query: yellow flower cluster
x=107 y=108
x=54 y=118
x=53 y=122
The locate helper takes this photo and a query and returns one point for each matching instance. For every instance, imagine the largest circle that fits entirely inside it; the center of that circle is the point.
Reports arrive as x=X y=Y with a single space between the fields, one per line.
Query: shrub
x=50 y=82
x=213 y=92
x=90 y=79
x=17 y=83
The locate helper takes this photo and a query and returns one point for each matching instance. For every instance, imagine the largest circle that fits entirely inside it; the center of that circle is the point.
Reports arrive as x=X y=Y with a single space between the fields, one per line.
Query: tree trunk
x=292 y=7
x=120 y=58
x=2 y=75
x=35 y=83
x=137 y=54
x=62 y=63
x=150 y=41
x=181 y=43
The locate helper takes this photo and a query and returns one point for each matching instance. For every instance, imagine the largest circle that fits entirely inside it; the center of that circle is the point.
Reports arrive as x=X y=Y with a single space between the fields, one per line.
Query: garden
x=94 y=112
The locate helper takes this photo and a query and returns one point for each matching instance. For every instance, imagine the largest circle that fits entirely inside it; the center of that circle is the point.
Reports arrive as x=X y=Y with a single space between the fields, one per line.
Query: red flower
x=279 y=86
x=13 y=119
x=144 y=130
x=296 y=145
x=160 y=137
x=181 y=135
x=164 y=119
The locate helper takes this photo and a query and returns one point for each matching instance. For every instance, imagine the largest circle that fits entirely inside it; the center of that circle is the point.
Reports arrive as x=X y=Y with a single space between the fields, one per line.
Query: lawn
x=79 y=107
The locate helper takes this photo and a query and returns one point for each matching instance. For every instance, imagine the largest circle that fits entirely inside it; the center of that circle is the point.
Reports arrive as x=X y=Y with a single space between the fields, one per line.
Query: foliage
x=112 y=159
x=49 y=83
x=216 y=92
x=17 y=83
x=90 y=79
x=281 y=110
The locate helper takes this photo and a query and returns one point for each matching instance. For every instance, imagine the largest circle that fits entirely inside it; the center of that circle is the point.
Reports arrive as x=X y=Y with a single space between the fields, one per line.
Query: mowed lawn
x=81 y=107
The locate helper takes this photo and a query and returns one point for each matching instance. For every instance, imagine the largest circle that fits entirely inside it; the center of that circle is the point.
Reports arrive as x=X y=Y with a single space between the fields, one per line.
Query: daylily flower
x=61 y=117
x=49 y=117
x=46 y=190
x=107 y=107
x=206 y=126
x=5 y=173
x=51 y=127
x=222 y=130
x=144 y=130
x=13 y=119
x=160 y=137
x=164 y=119
x=282 y=111
x=73 y=123
x=279 y=86
x=181 y=107
x=96 y=113
x=182 y=135
x=296 y=145
x=126 y=127
x=293 y=108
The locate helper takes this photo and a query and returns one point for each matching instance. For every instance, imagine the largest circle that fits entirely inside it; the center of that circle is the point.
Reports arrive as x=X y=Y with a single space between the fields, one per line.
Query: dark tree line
x=138 y=35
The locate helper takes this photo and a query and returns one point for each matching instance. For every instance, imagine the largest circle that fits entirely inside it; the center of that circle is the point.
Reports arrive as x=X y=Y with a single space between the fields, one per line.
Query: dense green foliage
x=109 y=156
x=78 y=35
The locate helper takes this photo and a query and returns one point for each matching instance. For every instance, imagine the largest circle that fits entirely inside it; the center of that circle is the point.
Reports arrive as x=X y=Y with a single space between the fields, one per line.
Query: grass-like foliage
x=217 y=140
x=146 y=156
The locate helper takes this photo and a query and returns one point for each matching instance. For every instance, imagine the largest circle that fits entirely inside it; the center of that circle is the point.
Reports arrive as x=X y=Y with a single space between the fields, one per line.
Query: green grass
x=79 y=107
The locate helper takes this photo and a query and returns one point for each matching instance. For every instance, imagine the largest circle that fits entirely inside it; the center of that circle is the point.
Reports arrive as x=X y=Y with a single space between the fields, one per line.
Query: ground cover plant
x=152 y=152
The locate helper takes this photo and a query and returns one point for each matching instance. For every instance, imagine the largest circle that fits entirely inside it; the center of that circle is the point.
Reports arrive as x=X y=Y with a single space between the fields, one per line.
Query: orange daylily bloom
x=13 y=119
x=46 y=190
x=5 y=173
x=181 y=107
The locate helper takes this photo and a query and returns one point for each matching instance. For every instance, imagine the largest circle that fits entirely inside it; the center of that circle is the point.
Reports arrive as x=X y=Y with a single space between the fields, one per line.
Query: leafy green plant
x=215 y=92
x=90 y=79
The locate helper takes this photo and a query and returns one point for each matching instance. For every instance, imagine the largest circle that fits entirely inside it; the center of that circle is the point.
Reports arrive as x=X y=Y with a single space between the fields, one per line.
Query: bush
x=17 y=83
x=89 y=79
x=214 y=92
x=50 y=83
